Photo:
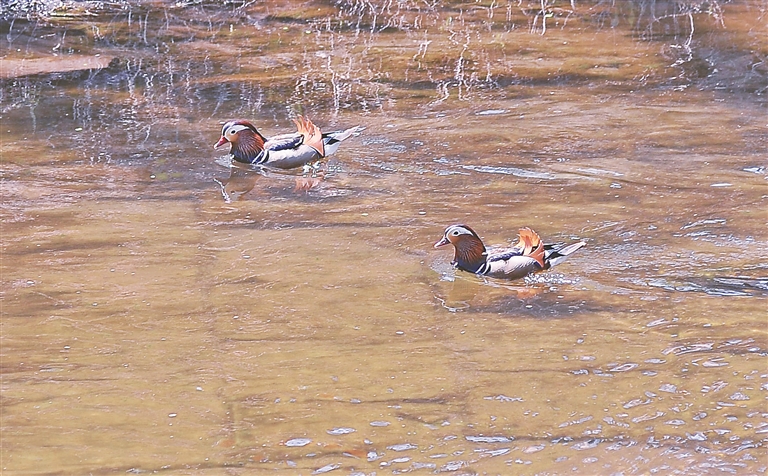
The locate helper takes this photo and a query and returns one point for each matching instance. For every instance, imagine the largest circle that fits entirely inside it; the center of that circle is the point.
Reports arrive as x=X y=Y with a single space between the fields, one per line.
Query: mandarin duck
x=528 y=256
x=284 y=151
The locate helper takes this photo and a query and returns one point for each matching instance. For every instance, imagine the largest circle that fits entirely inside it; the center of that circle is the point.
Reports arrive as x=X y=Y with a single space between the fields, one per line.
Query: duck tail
x=556 y=255
x=332 y=140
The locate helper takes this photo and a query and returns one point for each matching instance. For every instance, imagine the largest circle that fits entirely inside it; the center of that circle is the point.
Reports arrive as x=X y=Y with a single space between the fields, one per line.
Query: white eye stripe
x=457 y=230
x=233 y=129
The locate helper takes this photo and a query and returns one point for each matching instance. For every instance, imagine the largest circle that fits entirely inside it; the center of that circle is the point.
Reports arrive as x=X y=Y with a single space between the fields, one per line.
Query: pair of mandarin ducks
x=308 y=145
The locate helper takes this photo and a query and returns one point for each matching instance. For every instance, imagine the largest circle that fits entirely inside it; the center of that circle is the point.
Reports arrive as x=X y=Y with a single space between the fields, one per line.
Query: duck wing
x=284 y=142
x=514 y=263
x=511 y=265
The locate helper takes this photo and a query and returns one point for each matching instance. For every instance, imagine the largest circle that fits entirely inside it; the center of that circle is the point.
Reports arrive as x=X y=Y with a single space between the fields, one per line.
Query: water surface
x=152 y=323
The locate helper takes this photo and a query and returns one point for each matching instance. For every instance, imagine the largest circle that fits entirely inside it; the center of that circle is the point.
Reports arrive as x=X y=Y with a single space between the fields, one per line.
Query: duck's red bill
x=444 y=241
x=221 y=142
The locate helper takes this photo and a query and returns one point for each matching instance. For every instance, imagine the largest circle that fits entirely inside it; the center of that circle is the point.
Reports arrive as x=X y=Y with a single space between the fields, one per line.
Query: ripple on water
x=623 y=368
x=492 y=112
x=489 y=439
x=636 y=402
x=498 y=452
x=714 y=362
x=681 y=349
x=372 y=456
x=648 y=417
x=453 y=466
x=533 y=449
x=586 y=445
x=714 y=287
x=503 y=398
x=537 y=303
x=515 y=171
x=675 y=422
x=668 y=387
x=341 y=431
x=757 y=169
x=327 y=468
x=402 y=447
x=298 y=442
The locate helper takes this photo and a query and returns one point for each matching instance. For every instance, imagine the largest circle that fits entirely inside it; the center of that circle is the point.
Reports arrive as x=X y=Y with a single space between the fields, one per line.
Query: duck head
x=469 y=250
x=247 y=142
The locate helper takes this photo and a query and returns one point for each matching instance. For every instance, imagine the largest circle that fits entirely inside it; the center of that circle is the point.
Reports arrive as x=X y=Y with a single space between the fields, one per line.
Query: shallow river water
x=163 y=312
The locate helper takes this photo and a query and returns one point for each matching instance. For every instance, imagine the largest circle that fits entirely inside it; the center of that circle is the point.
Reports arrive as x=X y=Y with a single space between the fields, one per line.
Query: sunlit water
x=164 y=312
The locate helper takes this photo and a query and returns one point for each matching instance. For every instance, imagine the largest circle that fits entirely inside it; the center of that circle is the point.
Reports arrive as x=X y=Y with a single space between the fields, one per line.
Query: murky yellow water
x=150 y=325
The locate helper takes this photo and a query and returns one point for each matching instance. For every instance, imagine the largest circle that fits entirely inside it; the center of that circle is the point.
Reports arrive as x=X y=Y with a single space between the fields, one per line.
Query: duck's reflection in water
x=460 y=291
x=544 y=295
x=312 y=175
x=242 y=179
